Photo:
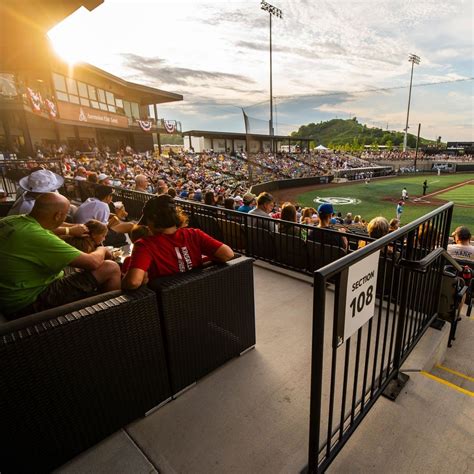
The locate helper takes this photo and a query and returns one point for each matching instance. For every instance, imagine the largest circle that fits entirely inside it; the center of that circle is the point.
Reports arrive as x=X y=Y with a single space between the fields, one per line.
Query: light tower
x=413 y=59
x=272 y=11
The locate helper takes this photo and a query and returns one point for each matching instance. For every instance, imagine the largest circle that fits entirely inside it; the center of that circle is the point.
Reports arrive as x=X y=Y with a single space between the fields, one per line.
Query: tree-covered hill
x=350 y=132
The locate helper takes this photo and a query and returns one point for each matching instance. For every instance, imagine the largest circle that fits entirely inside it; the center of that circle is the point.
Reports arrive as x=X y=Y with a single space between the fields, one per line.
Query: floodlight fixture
x=413 y=59
x=272 y=11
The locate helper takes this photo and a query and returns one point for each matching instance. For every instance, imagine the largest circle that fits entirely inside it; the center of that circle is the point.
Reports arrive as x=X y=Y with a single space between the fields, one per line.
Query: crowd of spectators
x=397 y=155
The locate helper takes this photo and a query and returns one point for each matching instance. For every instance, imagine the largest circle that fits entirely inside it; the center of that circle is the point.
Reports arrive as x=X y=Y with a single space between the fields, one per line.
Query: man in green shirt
x=33 y=259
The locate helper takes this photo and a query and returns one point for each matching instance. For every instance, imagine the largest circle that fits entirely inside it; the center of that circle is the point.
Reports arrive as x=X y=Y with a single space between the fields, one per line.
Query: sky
x=331 y=59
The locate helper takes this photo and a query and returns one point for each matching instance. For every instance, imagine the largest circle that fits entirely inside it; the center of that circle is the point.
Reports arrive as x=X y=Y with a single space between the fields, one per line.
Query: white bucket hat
x=42 y=181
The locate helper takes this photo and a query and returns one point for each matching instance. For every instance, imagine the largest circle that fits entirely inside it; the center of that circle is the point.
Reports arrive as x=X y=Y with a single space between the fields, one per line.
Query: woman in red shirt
x=171 y=248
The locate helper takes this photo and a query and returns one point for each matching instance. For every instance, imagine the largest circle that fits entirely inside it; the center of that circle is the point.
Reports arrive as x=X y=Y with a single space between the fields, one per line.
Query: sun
x=66 y=39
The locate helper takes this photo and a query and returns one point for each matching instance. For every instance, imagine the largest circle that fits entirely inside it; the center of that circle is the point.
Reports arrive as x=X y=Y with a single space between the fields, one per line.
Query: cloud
x=160 y=71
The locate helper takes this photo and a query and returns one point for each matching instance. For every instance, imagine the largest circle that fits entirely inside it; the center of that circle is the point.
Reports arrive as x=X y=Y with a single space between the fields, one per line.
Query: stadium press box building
x=44 y=101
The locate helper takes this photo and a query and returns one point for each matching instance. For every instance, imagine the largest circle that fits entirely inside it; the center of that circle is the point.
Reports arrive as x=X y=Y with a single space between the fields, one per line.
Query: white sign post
x=357 y=295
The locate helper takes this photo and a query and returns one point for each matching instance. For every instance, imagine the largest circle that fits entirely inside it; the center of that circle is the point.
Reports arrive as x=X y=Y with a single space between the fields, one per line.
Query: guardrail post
x=317 y=353
x=399 y=380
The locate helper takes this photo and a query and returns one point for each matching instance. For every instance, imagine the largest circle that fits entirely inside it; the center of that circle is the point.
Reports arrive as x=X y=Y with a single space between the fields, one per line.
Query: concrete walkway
x=251 y=415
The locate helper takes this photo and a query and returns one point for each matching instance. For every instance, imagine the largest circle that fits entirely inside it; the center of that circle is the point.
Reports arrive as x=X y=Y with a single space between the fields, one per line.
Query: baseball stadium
x=243 y=295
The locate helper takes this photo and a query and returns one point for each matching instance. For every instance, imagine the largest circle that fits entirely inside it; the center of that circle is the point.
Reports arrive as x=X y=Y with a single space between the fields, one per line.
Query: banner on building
x=170 y=126
x=87 y=115
x=145 y=125
x=52 y=109
x=35 y=99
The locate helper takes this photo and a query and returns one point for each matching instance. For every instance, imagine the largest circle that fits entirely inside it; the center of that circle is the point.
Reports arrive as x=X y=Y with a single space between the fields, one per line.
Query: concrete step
x=453 y=376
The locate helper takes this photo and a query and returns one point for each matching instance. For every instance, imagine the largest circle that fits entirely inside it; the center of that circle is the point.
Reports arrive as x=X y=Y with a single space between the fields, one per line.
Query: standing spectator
x=96 y=207
x=462 y=248
x=400 y=210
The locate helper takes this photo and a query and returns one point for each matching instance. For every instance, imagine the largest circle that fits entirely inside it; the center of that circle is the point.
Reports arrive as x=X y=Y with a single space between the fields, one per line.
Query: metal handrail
x=423 y=264
x=335 y=267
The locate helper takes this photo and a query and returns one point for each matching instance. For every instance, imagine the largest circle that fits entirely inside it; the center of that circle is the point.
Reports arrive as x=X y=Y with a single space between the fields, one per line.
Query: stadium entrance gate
x=385 y=297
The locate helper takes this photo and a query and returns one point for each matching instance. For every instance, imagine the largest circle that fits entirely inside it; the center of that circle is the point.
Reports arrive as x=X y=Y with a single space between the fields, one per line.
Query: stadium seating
x=73 y=375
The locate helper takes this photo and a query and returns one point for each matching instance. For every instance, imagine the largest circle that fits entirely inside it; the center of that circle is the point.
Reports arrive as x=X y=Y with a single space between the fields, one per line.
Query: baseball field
x=380 y=197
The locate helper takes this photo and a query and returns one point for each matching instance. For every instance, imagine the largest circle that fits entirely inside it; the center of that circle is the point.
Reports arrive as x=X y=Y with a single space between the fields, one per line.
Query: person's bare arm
x=134 y=278
x=76 y=230
x=122 y=227
x=91 y=261
x=223 y=254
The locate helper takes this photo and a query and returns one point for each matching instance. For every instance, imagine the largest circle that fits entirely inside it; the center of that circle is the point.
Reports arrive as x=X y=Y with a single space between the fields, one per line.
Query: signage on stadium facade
x=86 y=115
x=357 y=296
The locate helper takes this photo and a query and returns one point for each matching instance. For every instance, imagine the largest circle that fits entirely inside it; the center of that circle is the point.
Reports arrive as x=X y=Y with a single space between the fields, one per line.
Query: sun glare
x=66 y=41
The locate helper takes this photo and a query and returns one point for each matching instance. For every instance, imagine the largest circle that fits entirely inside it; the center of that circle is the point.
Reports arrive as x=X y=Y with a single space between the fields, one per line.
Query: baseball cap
x=325 y=208
x=238 y=199
x=102 y=176
x=42 y=181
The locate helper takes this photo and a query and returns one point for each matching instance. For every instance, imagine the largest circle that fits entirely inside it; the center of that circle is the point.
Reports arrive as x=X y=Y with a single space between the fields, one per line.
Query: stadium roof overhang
x=242 y=136
x=148 y=95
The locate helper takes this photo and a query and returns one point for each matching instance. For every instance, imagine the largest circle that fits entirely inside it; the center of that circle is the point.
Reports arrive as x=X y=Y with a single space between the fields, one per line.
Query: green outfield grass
x=461 y=195
x=379 y=198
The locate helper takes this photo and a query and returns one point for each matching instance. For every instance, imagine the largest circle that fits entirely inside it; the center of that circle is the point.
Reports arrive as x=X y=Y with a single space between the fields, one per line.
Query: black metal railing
x=350 y=370
x=298 y=247
x=12 y=170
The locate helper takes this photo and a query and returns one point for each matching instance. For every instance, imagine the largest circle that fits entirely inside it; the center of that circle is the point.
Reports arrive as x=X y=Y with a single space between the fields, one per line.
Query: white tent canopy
x=321 y=147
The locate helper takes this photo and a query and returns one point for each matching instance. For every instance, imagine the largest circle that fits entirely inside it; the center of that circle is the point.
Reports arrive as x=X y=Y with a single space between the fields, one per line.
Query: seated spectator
x=97 y=234
x=462 y=248
x=394 y=225
x=325 y=212
x=96 y=207
x=378 y=227
x=248 y=203
x=171 y=192
x=141 y=183
x=238 y=201
x=348 y=219
x=220 y=200
x=34 y=259
x=138 y=232
x=307 y=216
x=81 y=174
x=104 y=179
x=209 y=198
x=171 y=248
x=288 y=213
x=229 y=203
x=92 y=177
x=197 y=195
x=339 y=218
x=33 y=185
x=265 y=203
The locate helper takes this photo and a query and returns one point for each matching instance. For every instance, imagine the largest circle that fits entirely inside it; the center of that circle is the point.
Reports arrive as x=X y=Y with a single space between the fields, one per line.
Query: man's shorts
x=70 y=288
